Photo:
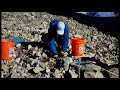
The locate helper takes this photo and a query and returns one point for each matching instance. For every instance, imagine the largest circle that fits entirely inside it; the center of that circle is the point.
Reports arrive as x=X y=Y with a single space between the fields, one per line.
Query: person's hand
x=55 y=56
x=63 y=54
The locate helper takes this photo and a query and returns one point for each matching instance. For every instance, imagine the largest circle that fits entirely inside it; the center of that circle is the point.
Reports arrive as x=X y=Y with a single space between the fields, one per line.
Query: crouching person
x=58 y=38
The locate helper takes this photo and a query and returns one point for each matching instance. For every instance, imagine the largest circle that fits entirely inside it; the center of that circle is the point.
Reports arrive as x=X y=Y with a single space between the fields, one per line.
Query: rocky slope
x=33 y=26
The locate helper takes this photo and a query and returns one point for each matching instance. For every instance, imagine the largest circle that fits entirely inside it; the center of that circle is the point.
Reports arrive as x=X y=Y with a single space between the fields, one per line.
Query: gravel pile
x=36 y=63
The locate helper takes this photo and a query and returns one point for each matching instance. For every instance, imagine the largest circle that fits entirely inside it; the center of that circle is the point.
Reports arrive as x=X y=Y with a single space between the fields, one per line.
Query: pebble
x=37 y=69
x=17 y=60
x=18 y=45
x=29 y=47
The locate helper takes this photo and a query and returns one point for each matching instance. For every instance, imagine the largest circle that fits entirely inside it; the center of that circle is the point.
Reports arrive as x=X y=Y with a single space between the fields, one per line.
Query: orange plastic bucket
x=78 y=46
x=7 y=49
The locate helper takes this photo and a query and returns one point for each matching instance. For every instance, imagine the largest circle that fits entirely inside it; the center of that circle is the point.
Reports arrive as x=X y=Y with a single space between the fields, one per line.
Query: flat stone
x=38 y=53
x=77 y=36
x=15 y=75
x=17 y=60
x=5 y=68
x=73 y=74
x=37 y=69
x=44 y=55
x=111 y=46
x=88 y=74
x=36 y=48
x=18 y=45
x=28 y=65
x=47 y=69
x=58 y=75
x=115 y=71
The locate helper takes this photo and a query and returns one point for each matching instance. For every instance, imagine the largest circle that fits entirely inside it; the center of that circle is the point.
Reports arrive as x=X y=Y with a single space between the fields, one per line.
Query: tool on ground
x=17 y=40
x=78 y=49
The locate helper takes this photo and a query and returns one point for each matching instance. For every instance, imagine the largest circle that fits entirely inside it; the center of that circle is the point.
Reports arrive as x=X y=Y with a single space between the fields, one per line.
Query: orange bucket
x=7 y=49
x=78 y=46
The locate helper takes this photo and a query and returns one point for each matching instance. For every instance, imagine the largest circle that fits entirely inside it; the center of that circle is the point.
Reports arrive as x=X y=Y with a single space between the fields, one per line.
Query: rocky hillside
x=33 y=27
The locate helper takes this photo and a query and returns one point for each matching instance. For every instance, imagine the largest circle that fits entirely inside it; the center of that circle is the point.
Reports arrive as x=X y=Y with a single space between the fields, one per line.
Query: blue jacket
x=52 y=37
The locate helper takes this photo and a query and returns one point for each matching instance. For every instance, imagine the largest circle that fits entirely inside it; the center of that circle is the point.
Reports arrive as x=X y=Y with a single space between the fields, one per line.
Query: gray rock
x=89 y=74
x=38 y=53
x=17 y=60
x=36 y=48
x=115 y=72
x=2 y=74
x=37 y=69
x=21 y=77
x=34 y=52
x=28 y=65
x=29 y=47
x=47 y=69
x=5 y=68
x=15 y=75
x=90 y=67
x=77 y=36
x=111 y=46
x=73 y=74
x=18 y=45
x=57 y=71
x=44 y=56
x=57 y=74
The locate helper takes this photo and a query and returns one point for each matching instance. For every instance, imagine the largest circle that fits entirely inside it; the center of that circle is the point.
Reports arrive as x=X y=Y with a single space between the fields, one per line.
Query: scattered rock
x=34 y=52
x=91 y=54
x=44 y=56
x=38 y=54
x=115 y=71
x=47 y=69
x=73 y=74
x=77 y=36
x=57 y=74
x=5 y=68
x=17 y=60
x=21 y=77
x=90 y=67
x=37 y=69
x=28 y=65
x=36 y=48
x=29 y=47
x=111 y=46
x=18 y=45
x=89 y=74
x=15 y=75
x=70 y=60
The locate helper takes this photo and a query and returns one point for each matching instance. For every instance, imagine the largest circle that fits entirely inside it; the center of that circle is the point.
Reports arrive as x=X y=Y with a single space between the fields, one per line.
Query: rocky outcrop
x=31 y=26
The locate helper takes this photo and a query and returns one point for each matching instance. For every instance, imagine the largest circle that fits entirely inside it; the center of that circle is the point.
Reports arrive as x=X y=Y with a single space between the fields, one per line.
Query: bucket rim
x=78 y=38
x=7 y=41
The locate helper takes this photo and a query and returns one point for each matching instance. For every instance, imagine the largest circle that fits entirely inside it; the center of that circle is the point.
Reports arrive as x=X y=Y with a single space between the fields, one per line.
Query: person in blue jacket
x=58 y=36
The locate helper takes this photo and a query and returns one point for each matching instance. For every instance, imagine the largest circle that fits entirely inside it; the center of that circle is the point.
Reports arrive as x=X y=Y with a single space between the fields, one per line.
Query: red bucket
x=7 y=49
x=78 y=46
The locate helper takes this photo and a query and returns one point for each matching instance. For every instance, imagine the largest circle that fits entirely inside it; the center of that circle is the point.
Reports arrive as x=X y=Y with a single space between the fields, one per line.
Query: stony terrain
x=36 y=61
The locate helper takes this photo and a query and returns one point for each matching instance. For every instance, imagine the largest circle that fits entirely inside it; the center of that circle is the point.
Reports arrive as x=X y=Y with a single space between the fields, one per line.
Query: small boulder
x=37 y=69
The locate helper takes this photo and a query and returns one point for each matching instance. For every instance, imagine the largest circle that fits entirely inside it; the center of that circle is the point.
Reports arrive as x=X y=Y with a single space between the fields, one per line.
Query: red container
x=78 y=46
x=7 y=49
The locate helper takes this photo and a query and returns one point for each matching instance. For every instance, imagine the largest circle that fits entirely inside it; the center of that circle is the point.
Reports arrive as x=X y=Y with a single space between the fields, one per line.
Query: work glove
x=63 y=54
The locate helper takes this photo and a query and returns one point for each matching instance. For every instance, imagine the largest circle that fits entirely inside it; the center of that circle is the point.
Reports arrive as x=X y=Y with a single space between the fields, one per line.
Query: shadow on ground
x=42 y=44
